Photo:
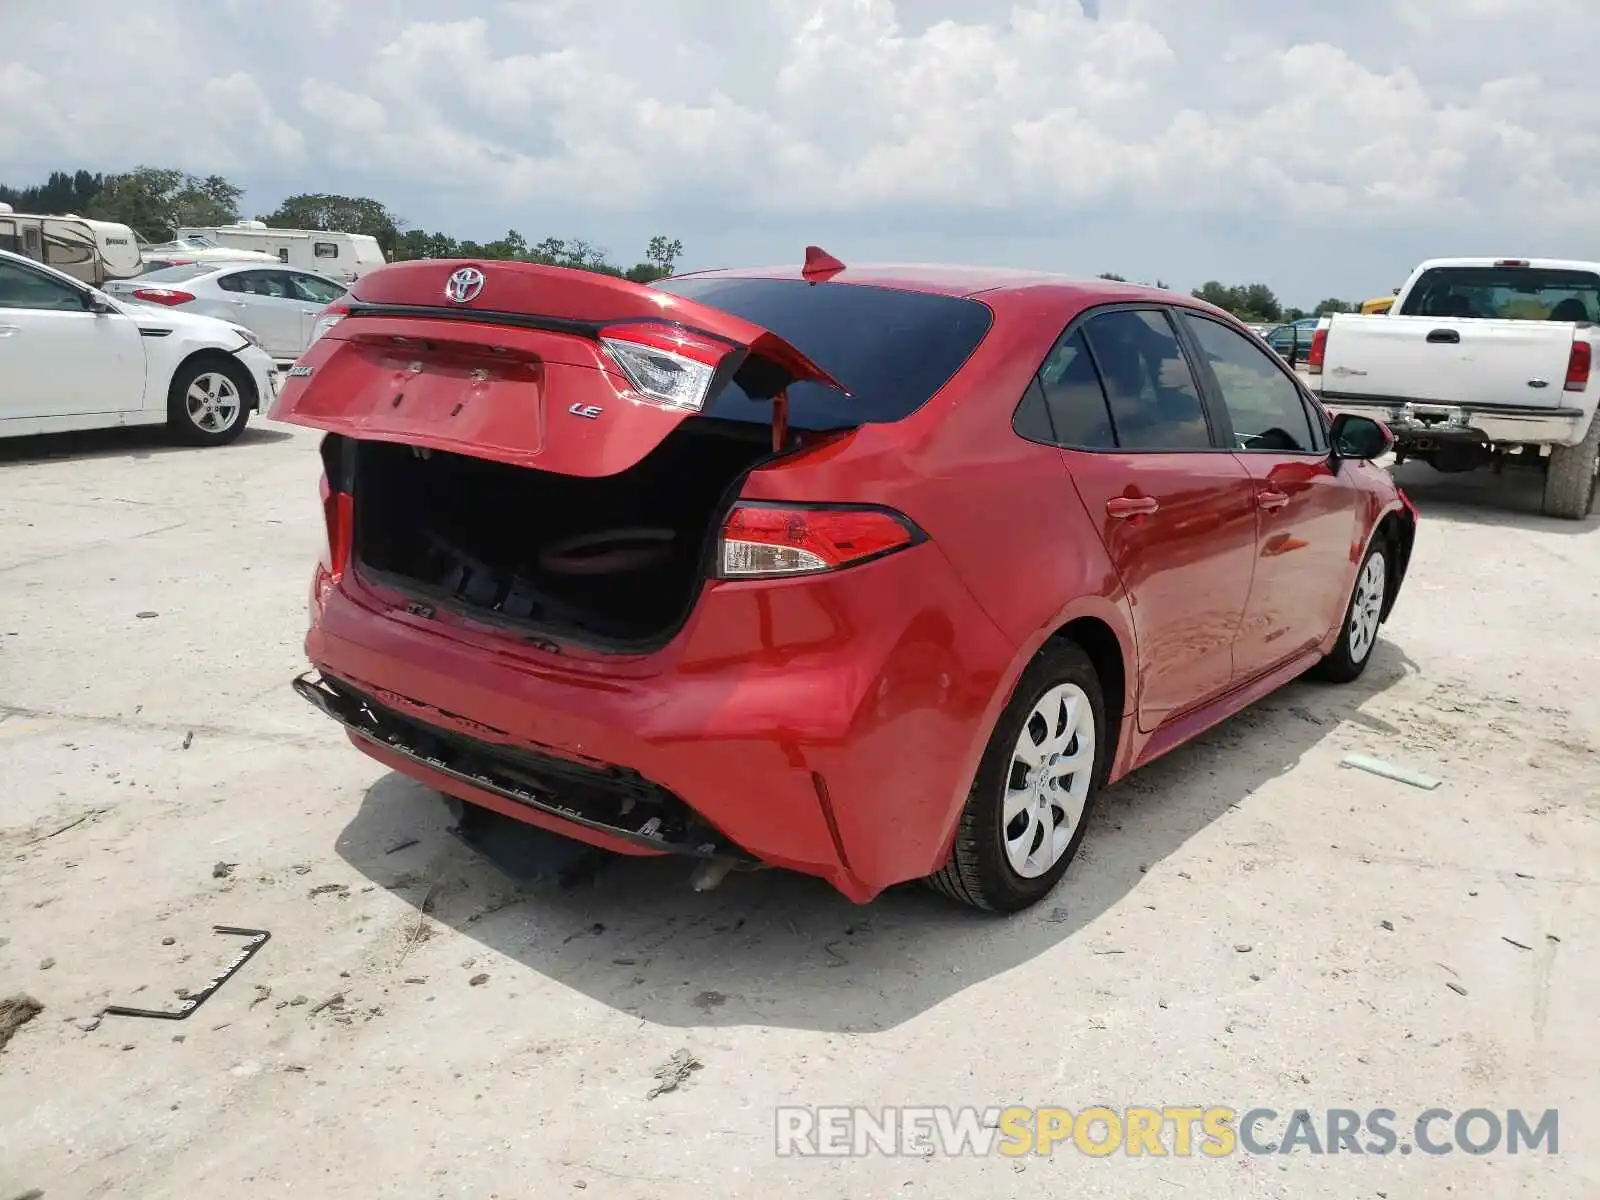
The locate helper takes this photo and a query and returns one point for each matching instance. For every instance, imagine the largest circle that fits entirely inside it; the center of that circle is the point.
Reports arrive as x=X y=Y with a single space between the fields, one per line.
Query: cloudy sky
x=1323 y=148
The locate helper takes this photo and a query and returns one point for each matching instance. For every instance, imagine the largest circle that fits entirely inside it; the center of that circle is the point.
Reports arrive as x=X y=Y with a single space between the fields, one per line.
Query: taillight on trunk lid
x=171 y=297
x=771 y=541
x=330 y=316
x=1579 y=363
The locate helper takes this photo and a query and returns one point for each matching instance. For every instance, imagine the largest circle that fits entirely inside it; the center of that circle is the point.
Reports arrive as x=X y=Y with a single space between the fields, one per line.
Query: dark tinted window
x=1033 y=417
x=891 y=349
x=1506 y=293
x=1072 y=393
x=1154 y=402
x=1262 y=402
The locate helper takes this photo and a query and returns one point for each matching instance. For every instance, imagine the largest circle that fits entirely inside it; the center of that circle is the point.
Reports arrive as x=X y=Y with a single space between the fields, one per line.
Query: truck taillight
x=1579 y=363
x=1319 y=351
x=767 y=541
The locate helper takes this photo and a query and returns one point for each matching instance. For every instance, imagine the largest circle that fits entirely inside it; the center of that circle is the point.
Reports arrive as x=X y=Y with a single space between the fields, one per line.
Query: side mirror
x=1359 y=438
x=99 y=304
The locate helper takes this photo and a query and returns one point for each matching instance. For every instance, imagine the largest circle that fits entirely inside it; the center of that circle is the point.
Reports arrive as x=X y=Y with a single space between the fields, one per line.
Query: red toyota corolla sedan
x=875 y=573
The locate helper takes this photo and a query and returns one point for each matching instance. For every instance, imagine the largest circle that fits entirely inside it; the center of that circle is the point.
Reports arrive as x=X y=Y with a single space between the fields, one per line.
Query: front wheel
x=1358 y=636
x=1026 y=814
x=206 y=404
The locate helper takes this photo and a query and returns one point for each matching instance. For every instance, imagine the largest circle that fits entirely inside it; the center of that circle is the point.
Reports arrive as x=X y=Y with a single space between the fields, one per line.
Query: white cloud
x=1365 y=115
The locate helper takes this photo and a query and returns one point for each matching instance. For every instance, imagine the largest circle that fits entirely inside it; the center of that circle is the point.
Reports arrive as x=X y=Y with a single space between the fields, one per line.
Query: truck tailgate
x=1443 y=360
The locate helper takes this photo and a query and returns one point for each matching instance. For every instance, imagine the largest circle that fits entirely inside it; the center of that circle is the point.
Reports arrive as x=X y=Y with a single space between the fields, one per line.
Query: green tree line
x=1252 y=302
x=157 y=201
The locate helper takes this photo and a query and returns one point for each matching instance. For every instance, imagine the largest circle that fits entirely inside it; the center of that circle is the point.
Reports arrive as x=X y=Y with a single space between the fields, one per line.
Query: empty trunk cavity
x=615 y=561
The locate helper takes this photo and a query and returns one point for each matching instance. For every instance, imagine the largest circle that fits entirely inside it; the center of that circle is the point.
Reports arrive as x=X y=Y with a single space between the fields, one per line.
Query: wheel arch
x=214 y=354
x=1397 y=530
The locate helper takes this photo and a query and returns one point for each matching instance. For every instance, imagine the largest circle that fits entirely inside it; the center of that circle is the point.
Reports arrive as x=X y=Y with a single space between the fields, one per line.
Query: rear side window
x=1505 y=293
x=1151 y=392
x=325 y=250
x=891 y=349
x=1073 y=397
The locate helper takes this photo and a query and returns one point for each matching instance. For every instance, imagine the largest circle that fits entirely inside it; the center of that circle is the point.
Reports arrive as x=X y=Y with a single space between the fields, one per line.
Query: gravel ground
x=1250 y=924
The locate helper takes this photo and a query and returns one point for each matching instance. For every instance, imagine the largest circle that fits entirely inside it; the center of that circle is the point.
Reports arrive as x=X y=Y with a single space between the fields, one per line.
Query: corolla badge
x=464 y=285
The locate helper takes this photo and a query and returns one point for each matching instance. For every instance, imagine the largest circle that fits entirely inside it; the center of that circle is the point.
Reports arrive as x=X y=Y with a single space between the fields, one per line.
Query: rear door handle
x=1123 y=507
x=1272 y=499
x=1450 y=337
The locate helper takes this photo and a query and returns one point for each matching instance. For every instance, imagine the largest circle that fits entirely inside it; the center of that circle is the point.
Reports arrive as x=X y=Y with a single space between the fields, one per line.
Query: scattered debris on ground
x=188 y=739
x=46 y=963
x=399 y=846
x=1455 y=987
x=1377 y=766
x=15 y=1012
x=334 y=1001
x=331 y=889
x=477 y=981
x=87 y=1024
x=193 y=1000
x=1514 y=942
x=673 y=1073
x=223 y=870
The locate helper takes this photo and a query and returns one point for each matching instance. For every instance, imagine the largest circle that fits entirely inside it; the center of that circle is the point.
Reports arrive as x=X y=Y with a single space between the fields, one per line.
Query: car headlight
x=250 y=336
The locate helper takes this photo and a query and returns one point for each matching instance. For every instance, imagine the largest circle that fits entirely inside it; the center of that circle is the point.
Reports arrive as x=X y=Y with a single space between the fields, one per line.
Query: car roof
x=948 y=280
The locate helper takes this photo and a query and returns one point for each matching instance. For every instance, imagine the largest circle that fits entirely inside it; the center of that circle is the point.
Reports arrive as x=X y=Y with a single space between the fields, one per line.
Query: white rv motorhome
x=90 y=251
x=346 y=256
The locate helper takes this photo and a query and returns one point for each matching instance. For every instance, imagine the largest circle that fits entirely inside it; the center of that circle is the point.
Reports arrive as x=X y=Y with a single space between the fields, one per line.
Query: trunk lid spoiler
x=535 y=366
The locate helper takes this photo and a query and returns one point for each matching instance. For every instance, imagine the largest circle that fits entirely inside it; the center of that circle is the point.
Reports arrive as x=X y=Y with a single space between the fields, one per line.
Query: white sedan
x=280 y=304
x=71 y=357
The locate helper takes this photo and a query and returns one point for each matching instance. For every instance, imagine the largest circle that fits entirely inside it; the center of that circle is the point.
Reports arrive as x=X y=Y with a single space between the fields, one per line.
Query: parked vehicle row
x=1479 y=358
x=876 y=574
x=72 y=357
x=280 y=306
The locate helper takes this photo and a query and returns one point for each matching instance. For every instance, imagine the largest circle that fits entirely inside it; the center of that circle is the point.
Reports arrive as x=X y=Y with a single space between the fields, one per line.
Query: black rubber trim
x=490 y=767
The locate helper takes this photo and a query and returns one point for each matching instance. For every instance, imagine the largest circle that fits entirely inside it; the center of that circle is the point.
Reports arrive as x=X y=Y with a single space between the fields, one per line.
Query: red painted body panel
x=833 y=724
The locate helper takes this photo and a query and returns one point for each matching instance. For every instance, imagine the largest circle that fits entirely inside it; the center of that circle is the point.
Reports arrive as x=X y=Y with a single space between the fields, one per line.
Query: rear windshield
x=891 y=349
x=1507 y=293
x=178 y=274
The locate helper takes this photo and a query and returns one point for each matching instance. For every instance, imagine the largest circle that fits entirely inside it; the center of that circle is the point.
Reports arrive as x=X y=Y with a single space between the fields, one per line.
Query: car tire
x=983 y=868
x=1358 y=635
x=209 y=401
x=1571 y=481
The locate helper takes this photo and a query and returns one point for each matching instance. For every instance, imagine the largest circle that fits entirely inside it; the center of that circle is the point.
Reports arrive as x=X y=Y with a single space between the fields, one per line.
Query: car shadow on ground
x=137 y=441
x=1514 y=498
x=779 y=949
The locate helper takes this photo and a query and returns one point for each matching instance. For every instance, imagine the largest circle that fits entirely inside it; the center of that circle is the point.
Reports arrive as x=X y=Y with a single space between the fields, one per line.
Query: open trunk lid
x=564 y=370
x=1460 y=361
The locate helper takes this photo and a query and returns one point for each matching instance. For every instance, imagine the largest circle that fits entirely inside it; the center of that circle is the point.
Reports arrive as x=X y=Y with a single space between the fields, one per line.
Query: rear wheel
x=1028 y=808
x=207 y=404
x=1569 y=488
x=1351 y=653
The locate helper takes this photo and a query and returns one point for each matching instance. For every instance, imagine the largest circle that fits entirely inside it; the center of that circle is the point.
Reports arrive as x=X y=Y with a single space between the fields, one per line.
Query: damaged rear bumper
x=619 y=804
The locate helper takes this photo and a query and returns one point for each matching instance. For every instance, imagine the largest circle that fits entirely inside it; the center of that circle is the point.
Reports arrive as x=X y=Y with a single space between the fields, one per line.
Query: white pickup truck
x=1479 y=358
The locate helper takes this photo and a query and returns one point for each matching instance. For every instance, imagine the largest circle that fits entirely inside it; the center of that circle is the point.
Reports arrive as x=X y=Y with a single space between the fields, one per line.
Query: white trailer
x=89 y=251
x=346 y=256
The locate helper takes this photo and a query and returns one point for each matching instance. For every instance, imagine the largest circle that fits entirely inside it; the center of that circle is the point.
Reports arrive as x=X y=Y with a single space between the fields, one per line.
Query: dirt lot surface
x=1250 y=924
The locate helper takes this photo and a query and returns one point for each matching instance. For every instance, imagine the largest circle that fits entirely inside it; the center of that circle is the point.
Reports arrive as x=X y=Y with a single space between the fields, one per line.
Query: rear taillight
x=1318 y=352
x=171 y=297
x=329 y=317
x=1579 y=363
x=763 y=541
x=665 y=364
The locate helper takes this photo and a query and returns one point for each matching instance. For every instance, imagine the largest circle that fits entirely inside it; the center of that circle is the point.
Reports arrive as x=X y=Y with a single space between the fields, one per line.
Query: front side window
x=1263 y=403
x=25 y=289
x=1154 y=402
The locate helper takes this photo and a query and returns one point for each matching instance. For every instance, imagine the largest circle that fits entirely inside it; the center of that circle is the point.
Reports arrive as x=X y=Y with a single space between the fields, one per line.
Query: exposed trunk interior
x=615 y=561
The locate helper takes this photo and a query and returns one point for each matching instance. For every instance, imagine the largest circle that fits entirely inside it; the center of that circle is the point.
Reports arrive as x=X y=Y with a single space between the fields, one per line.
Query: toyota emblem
x=464 y=285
